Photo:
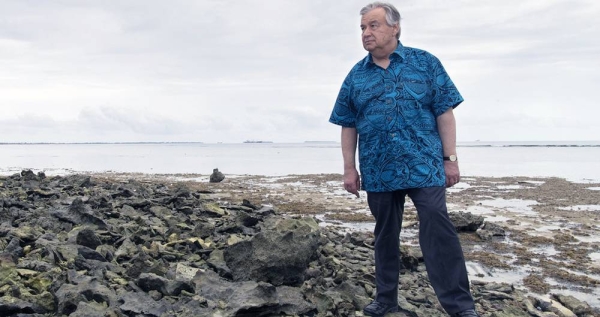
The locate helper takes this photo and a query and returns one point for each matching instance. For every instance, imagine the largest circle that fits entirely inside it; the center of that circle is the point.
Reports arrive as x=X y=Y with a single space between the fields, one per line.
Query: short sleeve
x=445 y=94
x=344 y=112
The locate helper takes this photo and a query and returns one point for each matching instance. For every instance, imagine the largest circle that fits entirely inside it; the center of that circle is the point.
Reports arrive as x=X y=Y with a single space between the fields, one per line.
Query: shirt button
x=388 y=101
x=389 y=118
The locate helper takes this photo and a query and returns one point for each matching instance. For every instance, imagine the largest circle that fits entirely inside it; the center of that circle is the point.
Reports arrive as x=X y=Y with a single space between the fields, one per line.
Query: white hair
x=392 y=16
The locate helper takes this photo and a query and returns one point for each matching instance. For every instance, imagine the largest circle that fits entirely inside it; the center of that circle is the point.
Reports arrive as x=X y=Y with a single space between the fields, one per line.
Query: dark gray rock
x=93 y=309
x=466 y=221
x=90 y=254
x=87 y=237
x=80 y=214
x=249 y=298
x=141 y=304
x=292 y=302
x=14 y=248
x=152 y=282
x=490 y=230
x=216 y=176
x=576 y=306
x=87 y=289
x=10 y=306
x=28 y=175
x=279 y=256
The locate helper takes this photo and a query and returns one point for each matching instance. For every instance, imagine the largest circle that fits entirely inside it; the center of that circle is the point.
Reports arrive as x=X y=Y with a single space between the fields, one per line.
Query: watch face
x=452 y=158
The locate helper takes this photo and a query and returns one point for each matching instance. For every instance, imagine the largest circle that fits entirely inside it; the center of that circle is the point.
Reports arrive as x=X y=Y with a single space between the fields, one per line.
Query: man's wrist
x=349 y=169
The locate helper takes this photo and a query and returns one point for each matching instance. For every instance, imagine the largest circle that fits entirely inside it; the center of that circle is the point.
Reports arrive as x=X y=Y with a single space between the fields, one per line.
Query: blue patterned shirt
x=394 y=111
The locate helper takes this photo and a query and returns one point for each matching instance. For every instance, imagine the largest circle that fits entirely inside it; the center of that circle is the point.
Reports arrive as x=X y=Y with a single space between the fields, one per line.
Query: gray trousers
x=439 y=243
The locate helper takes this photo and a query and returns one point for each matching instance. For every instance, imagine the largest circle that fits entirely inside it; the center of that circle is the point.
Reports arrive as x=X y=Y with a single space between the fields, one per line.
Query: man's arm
x=351 y=177
x=447 y=129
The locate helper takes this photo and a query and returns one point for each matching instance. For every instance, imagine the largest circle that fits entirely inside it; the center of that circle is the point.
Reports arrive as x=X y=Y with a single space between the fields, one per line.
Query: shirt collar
x=398 y=51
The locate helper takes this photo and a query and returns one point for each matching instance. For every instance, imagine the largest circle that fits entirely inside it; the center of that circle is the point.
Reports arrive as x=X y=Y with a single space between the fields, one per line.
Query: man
x=397 y=105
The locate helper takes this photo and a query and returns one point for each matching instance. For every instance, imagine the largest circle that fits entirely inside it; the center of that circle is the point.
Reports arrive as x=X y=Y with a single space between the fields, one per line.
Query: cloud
x=229 y=71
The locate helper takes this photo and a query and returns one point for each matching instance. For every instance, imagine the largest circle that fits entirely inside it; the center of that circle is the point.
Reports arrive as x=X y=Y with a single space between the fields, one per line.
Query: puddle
x=48 y=171
x=479 y=210
x=582 y=208
x=509 y=187
x=512 y=205
x=497 y=218
x=274 y=179
x=547 y=228
x=548 y=250
x=559 y=287
x=594 y=256
x=346 y=226
x=589 y=239
x=478 y=272
x=458 y=187
x=274 y=186
x=538 y=183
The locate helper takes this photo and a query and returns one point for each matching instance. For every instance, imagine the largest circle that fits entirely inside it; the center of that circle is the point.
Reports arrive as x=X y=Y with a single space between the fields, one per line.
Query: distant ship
x=257 y=141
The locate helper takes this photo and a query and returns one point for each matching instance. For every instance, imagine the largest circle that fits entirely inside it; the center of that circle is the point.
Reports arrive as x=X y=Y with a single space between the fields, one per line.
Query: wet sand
x=552 y=225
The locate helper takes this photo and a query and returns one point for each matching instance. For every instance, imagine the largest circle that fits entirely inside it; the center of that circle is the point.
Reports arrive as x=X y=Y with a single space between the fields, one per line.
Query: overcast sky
x=228 y=71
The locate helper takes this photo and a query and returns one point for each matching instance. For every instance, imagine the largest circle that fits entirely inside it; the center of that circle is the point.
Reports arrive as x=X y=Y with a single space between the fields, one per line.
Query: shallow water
x=574 y=163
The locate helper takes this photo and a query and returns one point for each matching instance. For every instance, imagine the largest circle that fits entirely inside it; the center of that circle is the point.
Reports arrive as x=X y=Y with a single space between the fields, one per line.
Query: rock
x=26 y=233
x=292 y=302
x=14 y=248
x=80 y=214
x=278 y=256
x=87 y=237
x=69 y=296
x=135 y=304
x=185 y=273
x=149 y=282
x=410 y=257
x=28 y=175
x=216 y=176
x=249 y=298
x=465 y=221
x=92 y=309
x=576 y=306
x=490 y=230
x=10 y=306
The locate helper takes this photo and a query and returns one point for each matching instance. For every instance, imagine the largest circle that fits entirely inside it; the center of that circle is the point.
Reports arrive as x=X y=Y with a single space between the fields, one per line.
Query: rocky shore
x=141 y=245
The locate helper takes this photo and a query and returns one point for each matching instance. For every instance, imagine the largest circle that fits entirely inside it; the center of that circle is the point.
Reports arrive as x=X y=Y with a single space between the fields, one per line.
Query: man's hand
x=452 y=173
x=352 y=181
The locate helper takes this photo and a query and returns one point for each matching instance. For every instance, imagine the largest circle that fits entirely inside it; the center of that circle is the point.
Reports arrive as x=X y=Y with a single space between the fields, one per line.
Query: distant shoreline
x=459 y=144
x=50 y=143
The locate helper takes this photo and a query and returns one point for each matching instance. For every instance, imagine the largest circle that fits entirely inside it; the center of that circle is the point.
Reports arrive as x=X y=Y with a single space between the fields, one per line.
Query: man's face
x=376 y=33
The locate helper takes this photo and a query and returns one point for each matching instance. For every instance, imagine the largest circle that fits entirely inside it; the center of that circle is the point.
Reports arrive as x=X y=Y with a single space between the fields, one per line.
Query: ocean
x=575 y=161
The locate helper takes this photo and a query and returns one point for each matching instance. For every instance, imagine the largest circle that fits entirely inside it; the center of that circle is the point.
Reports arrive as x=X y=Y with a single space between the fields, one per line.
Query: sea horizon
x=476 y=143
x=572 y=160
